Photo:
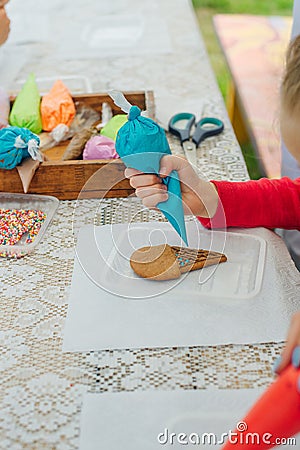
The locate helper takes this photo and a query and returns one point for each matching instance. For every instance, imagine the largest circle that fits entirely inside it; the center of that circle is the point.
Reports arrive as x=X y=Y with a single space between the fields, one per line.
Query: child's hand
x=291 y=352
x=4 y=25
x=199 y=197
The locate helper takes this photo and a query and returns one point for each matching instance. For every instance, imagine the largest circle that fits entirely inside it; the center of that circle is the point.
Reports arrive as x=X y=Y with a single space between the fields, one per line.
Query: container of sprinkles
x=24 y=219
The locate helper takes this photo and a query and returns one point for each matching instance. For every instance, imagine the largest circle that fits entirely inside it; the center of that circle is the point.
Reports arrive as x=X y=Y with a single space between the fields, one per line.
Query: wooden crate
x=69 y=180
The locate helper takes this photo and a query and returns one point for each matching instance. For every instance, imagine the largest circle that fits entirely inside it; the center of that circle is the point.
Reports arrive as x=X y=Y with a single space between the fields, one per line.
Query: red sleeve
x=257 y=203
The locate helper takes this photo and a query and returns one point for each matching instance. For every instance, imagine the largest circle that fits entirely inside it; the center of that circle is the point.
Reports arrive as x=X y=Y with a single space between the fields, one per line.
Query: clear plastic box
x=77 y=84
x=45 y=203
x=110 y=247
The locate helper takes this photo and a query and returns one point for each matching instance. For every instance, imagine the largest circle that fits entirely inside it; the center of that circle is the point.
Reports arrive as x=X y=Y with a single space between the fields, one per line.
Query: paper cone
x=141 y=143
x=26 y=171
x=172 y=209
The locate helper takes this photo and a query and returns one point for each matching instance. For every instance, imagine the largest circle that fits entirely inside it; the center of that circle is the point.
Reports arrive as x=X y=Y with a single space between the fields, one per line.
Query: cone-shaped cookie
x=163 y=262
x=192 y=259
x=158 y=262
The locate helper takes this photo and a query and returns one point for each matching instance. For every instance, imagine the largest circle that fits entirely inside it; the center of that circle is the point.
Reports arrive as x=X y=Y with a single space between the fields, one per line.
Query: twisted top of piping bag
x=134 y=112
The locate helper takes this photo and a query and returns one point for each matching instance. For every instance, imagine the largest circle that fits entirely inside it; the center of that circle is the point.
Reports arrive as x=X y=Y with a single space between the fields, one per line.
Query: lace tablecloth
x=41 y=387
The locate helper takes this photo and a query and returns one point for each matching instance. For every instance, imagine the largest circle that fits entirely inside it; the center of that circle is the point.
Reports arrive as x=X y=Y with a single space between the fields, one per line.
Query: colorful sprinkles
x=16 y=224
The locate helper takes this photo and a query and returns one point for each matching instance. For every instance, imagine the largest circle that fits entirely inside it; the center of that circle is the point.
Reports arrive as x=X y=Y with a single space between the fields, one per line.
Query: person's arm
x=266 y=203
x=4 y=23
x=219 y=204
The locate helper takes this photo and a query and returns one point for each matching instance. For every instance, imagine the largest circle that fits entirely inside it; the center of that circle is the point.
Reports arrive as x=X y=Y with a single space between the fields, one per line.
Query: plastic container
x=76 y=84
x=45 y=203
x=111 y=246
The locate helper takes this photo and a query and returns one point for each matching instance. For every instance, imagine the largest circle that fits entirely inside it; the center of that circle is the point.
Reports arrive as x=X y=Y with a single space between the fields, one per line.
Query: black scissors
x=206 y=127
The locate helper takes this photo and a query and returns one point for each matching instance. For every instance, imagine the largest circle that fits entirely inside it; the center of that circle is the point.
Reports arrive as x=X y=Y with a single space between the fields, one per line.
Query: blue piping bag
x=17 y=144
x=141 y=143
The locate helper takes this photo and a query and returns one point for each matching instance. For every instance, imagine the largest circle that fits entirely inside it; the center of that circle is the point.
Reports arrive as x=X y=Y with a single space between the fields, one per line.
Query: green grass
x=263 y=7
x=205 y=10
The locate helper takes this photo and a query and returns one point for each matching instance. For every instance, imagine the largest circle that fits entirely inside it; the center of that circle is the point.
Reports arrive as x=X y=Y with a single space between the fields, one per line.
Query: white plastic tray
x=104 y=254
x=45 y=203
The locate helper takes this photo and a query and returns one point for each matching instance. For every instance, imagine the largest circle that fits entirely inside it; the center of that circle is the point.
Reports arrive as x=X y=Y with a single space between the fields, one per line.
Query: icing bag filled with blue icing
x=17 y=144
x=19 y=148
x=141 y=143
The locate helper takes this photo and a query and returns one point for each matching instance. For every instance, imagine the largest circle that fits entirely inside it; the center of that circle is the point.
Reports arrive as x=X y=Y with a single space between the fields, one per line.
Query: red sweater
x=263 y=203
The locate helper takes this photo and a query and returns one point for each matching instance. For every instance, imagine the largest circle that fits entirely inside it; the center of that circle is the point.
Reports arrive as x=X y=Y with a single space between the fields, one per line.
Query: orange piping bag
x=57 y=107
x=276 y=415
